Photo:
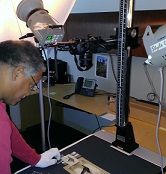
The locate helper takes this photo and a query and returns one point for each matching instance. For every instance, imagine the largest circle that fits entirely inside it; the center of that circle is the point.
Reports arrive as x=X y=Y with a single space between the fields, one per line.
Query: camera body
x=82 y=48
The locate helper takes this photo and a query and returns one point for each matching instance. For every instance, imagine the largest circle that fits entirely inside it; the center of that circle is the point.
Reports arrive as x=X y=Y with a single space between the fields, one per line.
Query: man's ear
x=18 y=72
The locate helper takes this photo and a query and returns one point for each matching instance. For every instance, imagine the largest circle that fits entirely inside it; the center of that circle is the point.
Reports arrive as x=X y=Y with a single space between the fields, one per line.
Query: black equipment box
x=58 y=72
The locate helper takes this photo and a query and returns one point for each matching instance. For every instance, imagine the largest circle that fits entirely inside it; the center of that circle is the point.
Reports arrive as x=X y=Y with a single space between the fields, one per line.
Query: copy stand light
x=46 y=29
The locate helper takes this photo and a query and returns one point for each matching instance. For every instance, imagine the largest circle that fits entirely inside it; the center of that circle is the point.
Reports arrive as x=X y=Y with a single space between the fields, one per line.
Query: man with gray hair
x=21 y=68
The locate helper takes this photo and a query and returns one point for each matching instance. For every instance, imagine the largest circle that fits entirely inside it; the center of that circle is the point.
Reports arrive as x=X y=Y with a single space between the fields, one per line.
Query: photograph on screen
x=101 y=66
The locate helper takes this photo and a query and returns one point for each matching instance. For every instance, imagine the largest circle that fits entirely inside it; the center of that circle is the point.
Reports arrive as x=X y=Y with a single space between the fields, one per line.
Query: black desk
x=96 y=149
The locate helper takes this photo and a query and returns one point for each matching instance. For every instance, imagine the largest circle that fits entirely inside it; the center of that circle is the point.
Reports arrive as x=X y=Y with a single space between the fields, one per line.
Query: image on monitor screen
x=101 y=66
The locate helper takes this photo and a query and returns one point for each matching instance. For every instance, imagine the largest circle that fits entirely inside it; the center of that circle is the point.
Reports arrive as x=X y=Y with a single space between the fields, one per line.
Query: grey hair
x=20 y=52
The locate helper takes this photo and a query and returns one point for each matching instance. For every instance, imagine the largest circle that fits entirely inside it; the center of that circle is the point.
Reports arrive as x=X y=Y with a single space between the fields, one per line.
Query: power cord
x=159 y=118
x=160 y=100
x=153 y=94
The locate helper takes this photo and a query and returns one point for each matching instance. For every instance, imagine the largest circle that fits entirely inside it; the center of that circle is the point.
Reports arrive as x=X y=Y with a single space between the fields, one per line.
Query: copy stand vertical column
x=124 y=133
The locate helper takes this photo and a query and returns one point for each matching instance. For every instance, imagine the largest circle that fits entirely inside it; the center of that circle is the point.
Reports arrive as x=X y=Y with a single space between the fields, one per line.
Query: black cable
x=151 y=83
x=99 y=126
x=112 y=66
x=68 y=96
x=103 y=127
x=79 y=67
x=98 y=122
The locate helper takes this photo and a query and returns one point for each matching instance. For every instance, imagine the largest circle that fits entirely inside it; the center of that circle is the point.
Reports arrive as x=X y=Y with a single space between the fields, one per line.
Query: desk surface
x=142 y=116
x=99 y=105
x=96 y=105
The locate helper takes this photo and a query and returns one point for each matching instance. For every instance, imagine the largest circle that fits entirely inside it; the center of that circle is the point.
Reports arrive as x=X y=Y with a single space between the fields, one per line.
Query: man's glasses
x=34 y=86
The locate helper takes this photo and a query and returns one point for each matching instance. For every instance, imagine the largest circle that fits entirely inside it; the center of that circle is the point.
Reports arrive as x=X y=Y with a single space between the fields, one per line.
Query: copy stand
x=126 y=42
x=125 y=139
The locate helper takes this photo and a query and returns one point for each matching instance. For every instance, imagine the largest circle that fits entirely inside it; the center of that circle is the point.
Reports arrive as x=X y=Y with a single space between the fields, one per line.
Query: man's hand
x=47 y=158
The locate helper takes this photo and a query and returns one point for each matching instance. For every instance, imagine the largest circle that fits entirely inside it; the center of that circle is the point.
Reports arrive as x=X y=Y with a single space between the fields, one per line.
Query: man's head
x=21 y=67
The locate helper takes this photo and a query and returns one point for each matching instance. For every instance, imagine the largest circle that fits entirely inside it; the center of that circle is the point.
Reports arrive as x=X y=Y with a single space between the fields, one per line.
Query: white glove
x=47 y=158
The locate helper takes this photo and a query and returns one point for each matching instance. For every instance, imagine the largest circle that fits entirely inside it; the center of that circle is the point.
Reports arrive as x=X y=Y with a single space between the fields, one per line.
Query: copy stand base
x=125 y=138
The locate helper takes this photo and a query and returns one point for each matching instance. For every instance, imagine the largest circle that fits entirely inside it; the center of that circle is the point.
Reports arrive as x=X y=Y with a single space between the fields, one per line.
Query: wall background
x=88 y=6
